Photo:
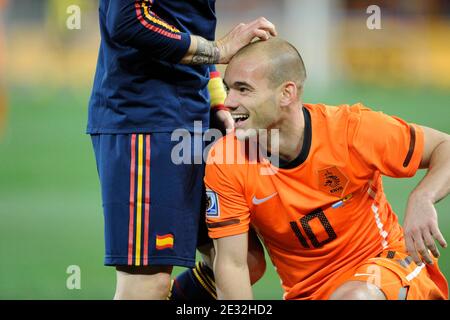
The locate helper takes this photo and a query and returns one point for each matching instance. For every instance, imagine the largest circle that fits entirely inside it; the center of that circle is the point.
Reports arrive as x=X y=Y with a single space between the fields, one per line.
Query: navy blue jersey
x=139 y=85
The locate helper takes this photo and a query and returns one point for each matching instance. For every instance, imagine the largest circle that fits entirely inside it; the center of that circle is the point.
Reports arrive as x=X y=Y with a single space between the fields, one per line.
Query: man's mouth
x=239 y=117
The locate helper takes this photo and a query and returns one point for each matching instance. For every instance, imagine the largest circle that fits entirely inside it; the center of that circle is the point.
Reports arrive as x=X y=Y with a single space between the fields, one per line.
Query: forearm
x=134 y=24
x=232 y=281
x=436 y=183
x=201 y=51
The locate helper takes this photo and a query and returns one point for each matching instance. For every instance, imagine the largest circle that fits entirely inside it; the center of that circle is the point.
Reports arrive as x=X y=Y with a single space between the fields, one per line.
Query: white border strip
x=415 y=273
x=383 y=232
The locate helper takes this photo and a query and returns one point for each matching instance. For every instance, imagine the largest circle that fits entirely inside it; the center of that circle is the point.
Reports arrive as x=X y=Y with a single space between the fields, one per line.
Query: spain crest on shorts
x=164 y=241
x=212 y=204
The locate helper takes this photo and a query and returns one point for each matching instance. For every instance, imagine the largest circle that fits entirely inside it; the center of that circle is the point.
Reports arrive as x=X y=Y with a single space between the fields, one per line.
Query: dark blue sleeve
x=132 y=23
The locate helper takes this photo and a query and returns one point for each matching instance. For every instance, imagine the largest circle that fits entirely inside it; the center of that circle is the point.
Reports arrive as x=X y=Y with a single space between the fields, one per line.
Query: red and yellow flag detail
x=164 y=241
x=151 y=21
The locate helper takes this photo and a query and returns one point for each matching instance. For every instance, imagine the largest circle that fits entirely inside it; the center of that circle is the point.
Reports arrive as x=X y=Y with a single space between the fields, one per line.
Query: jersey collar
x=307 y=139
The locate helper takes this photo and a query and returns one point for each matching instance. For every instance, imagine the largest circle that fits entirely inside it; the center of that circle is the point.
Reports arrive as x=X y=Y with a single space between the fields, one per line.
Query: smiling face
x=251 y=100
x=265 y=83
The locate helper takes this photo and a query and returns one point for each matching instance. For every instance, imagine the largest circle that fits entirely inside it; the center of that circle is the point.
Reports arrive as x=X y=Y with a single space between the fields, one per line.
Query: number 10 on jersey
x=306 y=227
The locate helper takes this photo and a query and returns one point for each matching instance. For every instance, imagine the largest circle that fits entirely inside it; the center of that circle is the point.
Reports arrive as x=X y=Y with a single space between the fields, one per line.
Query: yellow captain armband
x=216 y=91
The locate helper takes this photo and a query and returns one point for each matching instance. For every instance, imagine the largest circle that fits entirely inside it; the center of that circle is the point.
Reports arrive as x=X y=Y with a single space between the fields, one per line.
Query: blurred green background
x=50 y=206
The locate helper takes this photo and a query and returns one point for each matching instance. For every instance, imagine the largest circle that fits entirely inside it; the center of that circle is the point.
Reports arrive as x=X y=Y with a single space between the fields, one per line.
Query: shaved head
x=281 y=58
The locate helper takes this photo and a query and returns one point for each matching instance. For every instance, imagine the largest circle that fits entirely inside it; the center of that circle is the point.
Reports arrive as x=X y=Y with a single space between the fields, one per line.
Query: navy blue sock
x=195 y=284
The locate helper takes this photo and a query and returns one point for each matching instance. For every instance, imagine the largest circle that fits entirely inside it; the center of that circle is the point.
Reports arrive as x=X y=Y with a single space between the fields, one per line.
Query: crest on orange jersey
x=332 y=181
x=212 y=204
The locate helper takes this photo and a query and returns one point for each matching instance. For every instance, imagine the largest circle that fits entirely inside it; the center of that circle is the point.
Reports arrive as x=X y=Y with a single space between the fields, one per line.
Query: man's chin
x=245 y=134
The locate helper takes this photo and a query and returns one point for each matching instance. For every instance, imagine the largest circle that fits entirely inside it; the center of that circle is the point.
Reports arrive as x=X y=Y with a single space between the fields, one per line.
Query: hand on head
x=242 y=35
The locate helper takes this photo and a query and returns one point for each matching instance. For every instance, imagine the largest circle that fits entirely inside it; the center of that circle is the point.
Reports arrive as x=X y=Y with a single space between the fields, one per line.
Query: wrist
x=423 y=196
x=201 y=51
x=219 y=45
x=215 y=52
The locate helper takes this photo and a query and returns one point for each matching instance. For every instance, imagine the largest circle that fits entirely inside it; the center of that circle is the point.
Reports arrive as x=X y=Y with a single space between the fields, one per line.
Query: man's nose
x=231 y=103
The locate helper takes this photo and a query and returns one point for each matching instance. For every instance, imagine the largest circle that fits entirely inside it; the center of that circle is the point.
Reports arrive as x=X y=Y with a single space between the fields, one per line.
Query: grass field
x=50 y=205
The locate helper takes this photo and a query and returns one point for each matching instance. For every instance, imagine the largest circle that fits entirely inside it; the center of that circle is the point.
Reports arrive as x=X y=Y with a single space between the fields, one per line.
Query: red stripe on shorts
x=131 y=222
x=147 y=197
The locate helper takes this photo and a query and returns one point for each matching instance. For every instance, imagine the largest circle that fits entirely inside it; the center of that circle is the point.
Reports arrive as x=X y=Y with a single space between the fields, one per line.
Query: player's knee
x=140 y=283
x=356 y=294
x=355 y=290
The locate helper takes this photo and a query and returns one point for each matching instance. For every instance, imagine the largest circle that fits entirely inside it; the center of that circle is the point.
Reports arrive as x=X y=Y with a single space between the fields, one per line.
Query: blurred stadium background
x=50 y=209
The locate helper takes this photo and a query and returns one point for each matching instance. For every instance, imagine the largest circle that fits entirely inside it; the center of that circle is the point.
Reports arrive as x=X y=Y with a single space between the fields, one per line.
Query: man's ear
x=289 y=93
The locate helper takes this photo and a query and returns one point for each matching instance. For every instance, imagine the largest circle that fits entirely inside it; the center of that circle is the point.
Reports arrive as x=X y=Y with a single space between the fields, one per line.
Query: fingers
x=226 y=118
x=242 y=35
x=410 y=246
x=421 y=231
x=261 y=34
x=264 y=24
x=420 y=243
x=269 y=27
x=436 y=233
x=422 y=249
x=229 y=124
x=261 y=28
x=430 y=244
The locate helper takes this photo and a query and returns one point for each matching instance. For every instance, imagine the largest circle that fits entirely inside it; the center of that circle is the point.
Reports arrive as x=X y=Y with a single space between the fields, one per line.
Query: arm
x=228 y=220
x=202 y=51
x=398 y=150
x=421 y=222
x=231 y=269
x=133 y=23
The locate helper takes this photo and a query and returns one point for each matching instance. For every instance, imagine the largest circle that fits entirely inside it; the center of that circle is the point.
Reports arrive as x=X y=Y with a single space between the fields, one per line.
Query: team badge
x=212 y=204
x=332 y=181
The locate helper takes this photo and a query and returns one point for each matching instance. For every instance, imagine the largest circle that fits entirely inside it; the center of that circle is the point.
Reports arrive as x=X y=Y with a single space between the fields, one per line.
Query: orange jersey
x=328 y=214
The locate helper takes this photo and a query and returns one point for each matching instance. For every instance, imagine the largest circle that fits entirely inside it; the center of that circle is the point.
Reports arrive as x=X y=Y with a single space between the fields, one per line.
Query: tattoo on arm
x=207 y=52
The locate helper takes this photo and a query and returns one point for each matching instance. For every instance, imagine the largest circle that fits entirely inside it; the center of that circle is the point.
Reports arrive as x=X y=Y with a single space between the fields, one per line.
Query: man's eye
x=243 y=89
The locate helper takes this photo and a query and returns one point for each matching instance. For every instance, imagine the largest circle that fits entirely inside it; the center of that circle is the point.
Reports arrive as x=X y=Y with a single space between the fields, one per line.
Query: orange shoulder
x=337 y=119
x=333 y=111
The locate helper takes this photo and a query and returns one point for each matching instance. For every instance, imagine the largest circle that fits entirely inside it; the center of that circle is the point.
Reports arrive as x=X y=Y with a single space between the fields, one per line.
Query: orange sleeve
x=227 y=212
x=386 y=143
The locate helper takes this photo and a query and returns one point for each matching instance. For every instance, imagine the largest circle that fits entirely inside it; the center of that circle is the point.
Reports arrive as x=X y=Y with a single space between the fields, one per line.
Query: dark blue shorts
x=151 y=205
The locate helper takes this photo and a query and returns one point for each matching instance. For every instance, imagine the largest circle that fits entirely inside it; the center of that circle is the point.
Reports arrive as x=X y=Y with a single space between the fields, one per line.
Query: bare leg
x=358 y=290
x=143 y=283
